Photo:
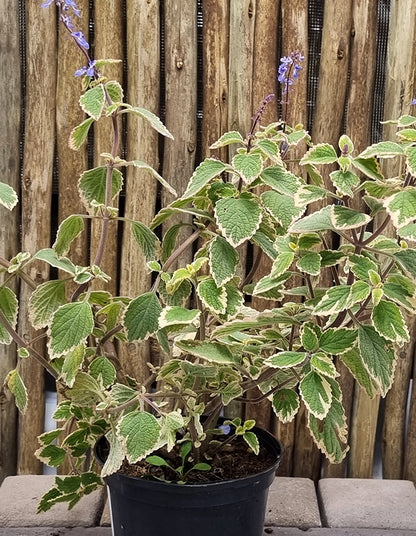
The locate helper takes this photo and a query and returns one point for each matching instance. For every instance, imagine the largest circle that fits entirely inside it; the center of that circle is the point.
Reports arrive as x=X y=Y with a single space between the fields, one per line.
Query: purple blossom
x=88 y=70
x=289 y=70
x=80 y=39
x=65 y=4
x=226 y=428
x=413 y=102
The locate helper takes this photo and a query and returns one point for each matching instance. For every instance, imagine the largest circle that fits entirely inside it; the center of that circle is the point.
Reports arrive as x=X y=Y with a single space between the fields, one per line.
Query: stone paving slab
x=367 y=503
x=292 y=502
x=20 y=496
x=58 y=531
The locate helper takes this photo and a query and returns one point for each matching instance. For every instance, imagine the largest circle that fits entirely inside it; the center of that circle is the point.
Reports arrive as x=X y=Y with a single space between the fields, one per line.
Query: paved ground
x=338 y=507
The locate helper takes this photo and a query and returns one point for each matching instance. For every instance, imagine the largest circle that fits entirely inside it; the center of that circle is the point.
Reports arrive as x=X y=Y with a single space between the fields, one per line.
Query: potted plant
x=347 y=300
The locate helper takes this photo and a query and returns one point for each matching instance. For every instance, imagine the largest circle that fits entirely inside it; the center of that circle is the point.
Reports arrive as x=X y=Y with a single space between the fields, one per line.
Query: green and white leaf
x=51 y=455
x=252 y=441
x=18 y=389
x=282 y=263
x=377 y=356
x=333 y=301
x=402 y=207
x=80 y=134
x=310 y=263
x=69 y=229
x=317 y=221
x=383 y=149
x=238 y=219
x=115 y=456
x=227 y=139
x=223 y=260
x=389 y=322
x=336 y=341
x=49 y=255
x=284 y=360
x=141 y=318
x=323 y=364
x=71 y=324
x=316 y=393
x=9 y=307
x=361 y=266
x=407 y=259
x=360 y=290
x=142 y=165
x=103 y=370
x=281 y=180
x=345 y=181
x=408 y=232
x=214 y=298
x=347 y=218
x=72 y=364
x=285 y=404
x=248 y=166
x=330 y=435
x=204 y=173
x=211 y=351
x=139 y=432
x=178 y=316
x=8 y=197
x=309 y=336
x=323 y=153
x=147 y=240
x=281 y=207
x=115 y=91
x=152 y=119
x=309 y=193
x=92 y=101
x=92 y=185
x=352 y=360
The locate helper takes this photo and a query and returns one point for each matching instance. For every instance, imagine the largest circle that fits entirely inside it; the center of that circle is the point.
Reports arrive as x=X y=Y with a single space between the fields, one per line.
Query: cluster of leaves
x=345 y=299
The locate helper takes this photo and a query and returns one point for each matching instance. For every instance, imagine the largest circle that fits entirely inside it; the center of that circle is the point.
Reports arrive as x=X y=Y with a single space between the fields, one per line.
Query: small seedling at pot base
x=347 y=300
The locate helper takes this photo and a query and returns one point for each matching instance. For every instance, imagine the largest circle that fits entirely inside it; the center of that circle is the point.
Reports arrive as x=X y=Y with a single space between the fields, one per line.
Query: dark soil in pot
x=235 y=507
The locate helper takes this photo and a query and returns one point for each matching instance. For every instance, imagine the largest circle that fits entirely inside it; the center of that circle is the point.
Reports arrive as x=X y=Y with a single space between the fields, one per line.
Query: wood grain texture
x=216 y=16
x=69 y=114
x=10 y=102
x=266 y=21
x=181 y=106
x=143 y=73
x=38 y=162
x=108 y=37
x=358 y=126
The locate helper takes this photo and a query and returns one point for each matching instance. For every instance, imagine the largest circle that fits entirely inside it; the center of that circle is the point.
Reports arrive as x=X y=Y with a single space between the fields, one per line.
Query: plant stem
x=23 y=344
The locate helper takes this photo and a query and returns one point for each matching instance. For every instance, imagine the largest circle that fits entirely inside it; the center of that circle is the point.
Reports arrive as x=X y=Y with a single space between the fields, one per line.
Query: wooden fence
x=204 y=66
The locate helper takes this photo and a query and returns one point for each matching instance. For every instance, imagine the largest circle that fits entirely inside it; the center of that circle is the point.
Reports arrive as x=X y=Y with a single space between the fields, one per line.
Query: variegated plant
x=338 y=290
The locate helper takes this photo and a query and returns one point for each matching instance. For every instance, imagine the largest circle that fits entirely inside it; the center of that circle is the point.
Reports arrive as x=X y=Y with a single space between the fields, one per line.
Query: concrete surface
x=20 y=496
x=292 y=503
x=344 y=507
x=366 y=503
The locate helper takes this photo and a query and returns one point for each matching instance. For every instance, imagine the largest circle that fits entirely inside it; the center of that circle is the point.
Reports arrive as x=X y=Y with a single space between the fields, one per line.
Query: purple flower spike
x=89 y=71
x=289 y=70
x=80 y=39
x=413 y=102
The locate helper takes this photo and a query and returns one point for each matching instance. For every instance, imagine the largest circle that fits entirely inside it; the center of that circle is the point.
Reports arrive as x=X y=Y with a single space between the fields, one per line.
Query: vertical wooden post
x=294 y=23
x=143 y=73
x=10 y=102
x=400 y=87
x=36 y=202
x=216 y=17
x=266 y=17
x=68 y=115
x=108 y=38
x=358 y=128
x=181 y=102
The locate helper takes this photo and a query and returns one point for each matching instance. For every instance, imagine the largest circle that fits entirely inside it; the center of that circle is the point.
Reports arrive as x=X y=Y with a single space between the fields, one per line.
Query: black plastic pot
x=229 y=508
